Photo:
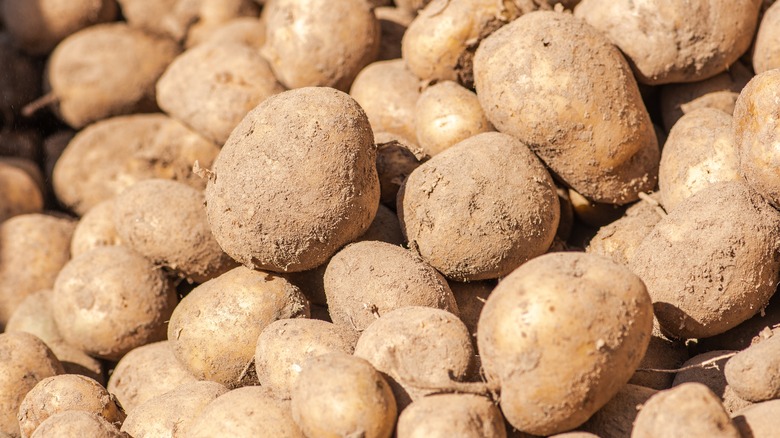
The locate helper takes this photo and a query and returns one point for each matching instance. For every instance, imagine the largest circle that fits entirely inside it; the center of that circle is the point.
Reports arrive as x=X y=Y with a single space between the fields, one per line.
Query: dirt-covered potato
x=368 y=279
x=95 y=229
x=311 y=43
x=689 y=410
x=246 y=412
x=576 y=104
x=616 y=418
x=20 y=194
x=480 y=209
x=766 y=55
x=214 y=330
x=754 y=373
x=393 y=22
x=713 y=262
x=213 y=86
x=758 y=420
x=249 y=31
x=447 y=113
x=20 y=82
x=33 y=249
x=107 y=70
x=66 y=392
x=308 y=159
x=712 y=375
x=419 y=349
x=145 y=373
x=109 y=156
x=471 y=298
x=395 y=161
x=339 y=395
x=554 y=366
x=699 y=152
x=449 y=415
x=26 y=360
x=77 y=424
x=110 y=300
x=675 y=42
x=165 y=221
x=388 y=92
x=166 y=415
x=284 y=345
x=662 y=354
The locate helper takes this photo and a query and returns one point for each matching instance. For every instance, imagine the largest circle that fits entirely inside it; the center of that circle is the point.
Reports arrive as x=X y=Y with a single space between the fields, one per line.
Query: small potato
x=712 y=375
x=166 y=415
x=754 y=373
x=411 y=6
x=77 y=424
x=284 y=345
x=26 y=360
x=445 y=114
x=20 y=194
x=664 y=354
x=244 y=412
x=616 y=418
x=63 y=393
x=500 y=202
x=213 y=86
x=758 y=420
x=419 y=349
x=249 y=31
x=689 y=410
x=471 y=298
x=91 y=83
x=145 y=373
x=675 y=42
x=320 y=43
x=34 y=316
x=339 y=395
x=110 y=300
x=53 y=146
x=214 y=330
x=449 y=415
x=395 y=161
x=95 y=229
x=595 y=214
x=554 y=367
x=766 y=55
x=109 y=156
x=212 y=14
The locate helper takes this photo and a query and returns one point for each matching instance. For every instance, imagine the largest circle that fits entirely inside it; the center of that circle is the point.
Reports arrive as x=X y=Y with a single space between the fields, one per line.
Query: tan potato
x=393 y=22
x=616 y=418
x=212 y=14
x=324 y=175
x=448 y=415
x=749 y=332
x=712 y=263
x=320 y=43
x=447 y=113
x=395 y=161
x=34 y=316
x=758 y=420
x=766 y=55
x=712 y=375
x=501 y=203
x=110 y=300
x=213 y=86
x=340 y=395
x=142 y=146
x=32 y=168
x=249 y=31
x=20 y=195
x=411 y=6
x=595 y=214
x=91 y=83
x=63 y=393
x=214 y=330
x=675 y=42
x=77 y=424
x=26 y=360
x=578 y=108
x=754 y=373
x=554 y=367
x=95 y=229
x=145 y=373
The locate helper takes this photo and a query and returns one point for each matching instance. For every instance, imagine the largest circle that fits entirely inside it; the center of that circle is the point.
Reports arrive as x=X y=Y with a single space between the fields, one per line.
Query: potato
x=445 y=114
x=664 y=354
x=214 y=330
x=213 y=86
x=765 y=52
x=168 y=414
x=142 y=146
x=419 y=349
x=578 y=108
x=388 y=92
x=33 y=249
x=77 y=423
x=110 y=300
x=554 y=367
x=53 y=146
x=284 y=345
x=754 y=373
x=680 y=42
x=320 y=43
x=147 y=372
x=20 y=82
x=700 y=151
x=34 y=316
x=165 y=221
x=338 y=395
x=62 y=393
x=249 y=31
x=502 y=208
x=712 y=375
x=411 y=6
x=212 y=14
x=712 y=262
x=759 y=420
x=323 y=174
x=26 y=360
x=21 y=193
x=616 y=418
x=30 y=167
x=96 y=228
x=719 y=92
x=395 y=161
x=91 y=83
x=747 y=333
x=393 y=22
x=689 y=410
x=595 y=214
x=448 y=415
x=76 y=361
x=244 y=412
x=367 y=279
x=471 y=298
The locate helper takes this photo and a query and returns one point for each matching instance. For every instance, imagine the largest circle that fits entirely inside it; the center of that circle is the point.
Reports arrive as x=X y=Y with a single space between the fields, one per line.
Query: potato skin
x=321 y=192
x=616 y=418
x=503 y=207
x=766 y=55
x=758 y=420
x=448 y=415
x=554 y=368
x=578 y=108
x=20 y=194
x=77 y=423
x=713 y=377
x=754 y=373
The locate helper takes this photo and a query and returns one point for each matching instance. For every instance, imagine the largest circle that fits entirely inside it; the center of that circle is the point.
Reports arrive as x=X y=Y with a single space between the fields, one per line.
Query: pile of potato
x=376 y=218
